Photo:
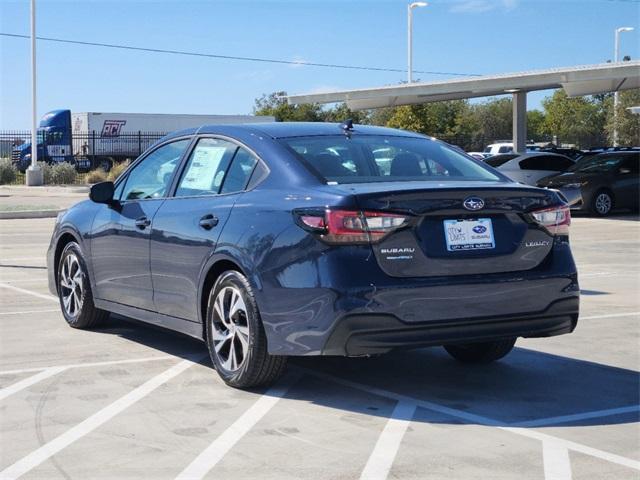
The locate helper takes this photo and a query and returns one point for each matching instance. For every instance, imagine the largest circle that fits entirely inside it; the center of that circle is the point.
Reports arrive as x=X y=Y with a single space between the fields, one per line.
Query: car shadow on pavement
x=522 y=388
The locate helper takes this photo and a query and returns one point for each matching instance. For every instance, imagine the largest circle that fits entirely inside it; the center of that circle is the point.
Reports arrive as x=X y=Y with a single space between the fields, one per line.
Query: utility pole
x=616 y=96
x=410 y=8
x=34 y=172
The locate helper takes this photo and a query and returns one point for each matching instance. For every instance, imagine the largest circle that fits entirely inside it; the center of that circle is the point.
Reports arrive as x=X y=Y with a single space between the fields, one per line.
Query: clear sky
x=467 y=36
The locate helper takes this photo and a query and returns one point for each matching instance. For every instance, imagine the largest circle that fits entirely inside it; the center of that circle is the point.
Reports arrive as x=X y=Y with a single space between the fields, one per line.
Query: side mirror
x=102 y=193
x=624 y=171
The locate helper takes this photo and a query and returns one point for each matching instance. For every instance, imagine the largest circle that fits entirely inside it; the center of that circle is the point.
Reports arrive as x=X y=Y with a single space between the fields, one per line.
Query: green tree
x=535 y=126
x=437 y=119
x=342 y=112
x=494 y=119
x=381 y=116
x=275 y=104
x=628 y=123
x=579 y=121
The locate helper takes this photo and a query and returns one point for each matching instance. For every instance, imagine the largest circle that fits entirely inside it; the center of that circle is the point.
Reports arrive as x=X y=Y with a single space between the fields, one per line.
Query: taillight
x=556 y=219
x=350 y=226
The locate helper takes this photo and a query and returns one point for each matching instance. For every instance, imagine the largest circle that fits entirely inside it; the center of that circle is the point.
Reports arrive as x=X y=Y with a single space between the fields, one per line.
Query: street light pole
x=410 y=8
x=34 y=173
x=616 y=97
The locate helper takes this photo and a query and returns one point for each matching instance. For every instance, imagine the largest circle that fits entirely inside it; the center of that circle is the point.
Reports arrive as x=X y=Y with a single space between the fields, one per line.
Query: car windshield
x=596 y=164
x=376 y=158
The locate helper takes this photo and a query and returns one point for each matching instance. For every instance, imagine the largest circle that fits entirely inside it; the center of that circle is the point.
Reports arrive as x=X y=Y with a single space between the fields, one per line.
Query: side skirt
x=192 y=329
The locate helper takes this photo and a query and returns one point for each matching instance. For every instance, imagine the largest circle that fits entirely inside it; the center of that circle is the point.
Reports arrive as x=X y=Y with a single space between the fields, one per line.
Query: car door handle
x=142 y=223
x=208 y=222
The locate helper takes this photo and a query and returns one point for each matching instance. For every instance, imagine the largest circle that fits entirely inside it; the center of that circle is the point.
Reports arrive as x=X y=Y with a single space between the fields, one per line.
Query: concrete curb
x=29 y=214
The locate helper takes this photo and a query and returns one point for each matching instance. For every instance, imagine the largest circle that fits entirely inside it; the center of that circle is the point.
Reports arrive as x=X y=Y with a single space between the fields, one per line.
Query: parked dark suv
x=284 y=239
x=606 y=181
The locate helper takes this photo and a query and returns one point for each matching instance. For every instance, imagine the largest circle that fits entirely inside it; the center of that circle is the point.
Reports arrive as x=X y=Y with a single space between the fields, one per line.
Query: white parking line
x=470 y=417
x=30 y=234
x=578 y=447
x=91 y=364
x=27 y=382
x=49 y=310
x=52 y=447
x=51 y=298
x=596 y=274
x=386 y=449
x=18 y=246
x=211 y=455
x=610 y=315
x=557 y=465
x=541 y=422
x=13 y=259
x=24 y=280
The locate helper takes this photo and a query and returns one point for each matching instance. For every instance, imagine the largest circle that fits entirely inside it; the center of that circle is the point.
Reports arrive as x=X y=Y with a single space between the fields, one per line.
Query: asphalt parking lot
x=129 y=401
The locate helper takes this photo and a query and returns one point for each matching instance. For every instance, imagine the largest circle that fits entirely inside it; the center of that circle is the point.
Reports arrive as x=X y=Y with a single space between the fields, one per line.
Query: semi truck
x=99 y=140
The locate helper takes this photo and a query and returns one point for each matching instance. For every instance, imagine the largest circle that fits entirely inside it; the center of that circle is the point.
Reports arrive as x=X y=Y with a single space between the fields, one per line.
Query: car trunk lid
x=493 y=233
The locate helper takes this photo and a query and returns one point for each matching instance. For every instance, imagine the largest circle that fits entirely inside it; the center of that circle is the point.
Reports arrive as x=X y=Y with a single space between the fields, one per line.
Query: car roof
x=542 y=154
x=293 y=129
x=617 y=153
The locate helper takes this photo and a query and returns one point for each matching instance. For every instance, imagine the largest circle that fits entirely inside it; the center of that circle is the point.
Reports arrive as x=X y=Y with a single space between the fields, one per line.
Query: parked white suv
x=496 y=148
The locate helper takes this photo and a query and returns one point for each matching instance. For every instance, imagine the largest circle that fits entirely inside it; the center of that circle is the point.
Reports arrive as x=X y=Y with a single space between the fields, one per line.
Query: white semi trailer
x=93 y=139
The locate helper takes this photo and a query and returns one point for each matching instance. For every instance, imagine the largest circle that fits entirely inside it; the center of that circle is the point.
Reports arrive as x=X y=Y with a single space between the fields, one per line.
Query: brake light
x=556 y=219
x=351 y=226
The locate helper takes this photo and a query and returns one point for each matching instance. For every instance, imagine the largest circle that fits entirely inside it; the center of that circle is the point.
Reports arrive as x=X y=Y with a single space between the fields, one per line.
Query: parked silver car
x=528 y=168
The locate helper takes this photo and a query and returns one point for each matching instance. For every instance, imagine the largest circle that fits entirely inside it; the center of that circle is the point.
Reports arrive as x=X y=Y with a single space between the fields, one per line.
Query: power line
x=301 y=63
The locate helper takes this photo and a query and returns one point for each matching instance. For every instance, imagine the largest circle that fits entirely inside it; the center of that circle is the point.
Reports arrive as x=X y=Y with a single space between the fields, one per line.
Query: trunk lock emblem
x=473 y=203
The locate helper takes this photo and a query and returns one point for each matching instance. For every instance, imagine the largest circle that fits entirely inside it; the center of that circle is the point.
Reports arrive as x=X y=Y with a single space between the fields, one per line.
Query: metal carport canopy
x=576 y=80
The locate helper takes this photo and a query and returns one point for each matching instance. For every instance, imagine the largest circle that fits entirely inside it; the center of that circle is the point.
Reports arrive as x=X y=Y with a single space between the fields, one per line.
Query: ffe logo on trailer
x=473 y=203
x=111 y=128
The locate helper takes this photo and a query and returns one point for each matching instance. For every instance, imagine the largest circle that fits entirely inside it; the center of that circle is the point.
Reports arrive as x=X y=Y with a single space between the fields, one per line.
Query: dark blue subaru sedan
x=282 y=239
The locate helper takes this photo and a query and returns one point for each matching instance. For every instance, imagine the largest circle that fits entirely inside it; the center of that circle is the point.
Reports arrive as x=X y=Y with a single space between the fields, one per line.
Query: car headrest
x=329 y=165
x=406 y=165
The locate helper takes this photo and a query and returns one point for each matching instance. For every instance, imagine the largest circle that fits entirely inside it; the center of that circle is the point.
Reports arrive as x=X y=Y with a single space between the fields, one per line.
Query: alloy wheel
x=72 y=285
x=603 y=203
x=230 y=328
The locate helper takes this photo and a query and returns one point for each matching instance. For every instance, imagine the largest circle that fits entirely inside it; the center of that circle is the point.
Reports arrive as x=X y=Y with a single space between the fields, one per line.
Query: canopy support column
x=520 y=122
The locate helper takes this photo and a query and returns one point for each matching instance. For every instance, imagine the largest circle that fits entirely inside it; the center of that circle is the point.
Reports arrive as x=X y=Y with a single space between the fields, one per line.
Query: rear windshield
x=373 y=158
x=498 y=160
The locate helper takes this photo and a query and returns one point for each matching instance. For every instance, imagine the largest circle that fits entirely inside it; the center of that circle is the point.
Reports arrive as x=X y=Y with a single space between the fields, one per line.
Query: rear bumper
x=374 y=334
x=315 y=307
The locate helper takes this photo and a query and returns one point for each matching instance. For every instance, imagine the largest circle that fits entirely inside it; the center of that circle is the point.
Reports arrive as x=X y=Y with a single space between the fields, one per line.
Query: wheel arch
x=64 y=239
x=218 y=264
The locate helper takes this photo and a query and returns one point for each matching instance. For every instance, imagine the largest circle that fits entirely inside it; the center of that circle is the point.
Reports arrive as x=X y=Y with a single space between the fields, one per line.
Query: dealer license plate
x=474 y=234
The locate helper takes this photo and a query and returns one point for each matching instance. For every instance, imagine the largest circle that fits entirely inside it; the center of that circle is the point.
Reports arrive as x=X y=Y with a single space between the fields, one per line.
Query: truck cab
x=54 y=141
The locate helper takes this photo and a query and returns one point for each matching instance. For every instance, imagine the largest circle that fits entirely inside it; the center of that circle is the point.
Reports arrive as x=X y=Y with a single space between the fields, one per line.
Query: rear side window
x=239 y=172
x=505 y=149
x=377 y=158
x=546 y=162
x=206 y=168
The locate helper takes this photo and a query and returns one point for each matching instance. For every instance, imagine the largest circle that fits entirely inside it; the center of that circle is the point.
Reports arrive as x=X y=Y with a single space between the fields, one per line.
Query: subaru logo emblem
x=479 y=229
x=473 y=203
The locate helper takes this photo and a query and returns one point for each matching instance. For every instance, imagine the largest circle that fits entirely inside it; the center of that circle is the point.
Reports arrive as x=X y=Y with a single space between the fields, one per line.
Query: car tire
x=235 y=335
x=485 y=352
x=74 y=290
x=602 y=203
